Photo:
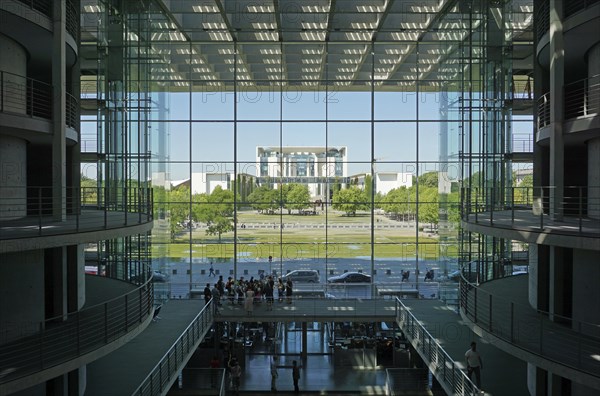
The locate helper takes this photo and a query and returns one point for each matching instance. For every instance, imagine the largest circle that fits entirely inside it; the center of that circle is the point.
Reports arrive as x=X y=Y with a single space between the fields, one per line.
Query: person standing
x=249 y=302
x=207 y=294
x=474 y=363
x=289 y=291
x=274 y=374
x=235 y=371
x=295 y=375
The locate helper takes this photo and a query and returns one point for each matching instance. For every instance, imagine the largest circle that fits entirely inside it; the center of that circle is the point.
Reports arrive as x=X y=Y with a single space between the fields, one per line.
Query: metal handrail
x=448 y=372
x=525 y=327
x=166 y=370
x=43 y=6
x=24 y=95
x=574 y=6
x=63 y=338
x=577 y=205
x=72 y=112
x=27 y=211
x=581 y=99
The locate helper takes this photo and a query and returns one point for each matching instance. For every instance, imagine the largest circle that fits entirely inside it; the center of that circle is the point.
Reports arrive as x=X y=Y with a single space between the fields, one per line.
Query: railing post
x=141 y=307
x=541 y=333
x=512 y=206
x=1 y=91
x=491 y=331
x=492 y=205
x=126 y=312
x=541 y=208
x=581 y=208
x=512 y=321
x=125 y=203
x=105 y=323
x=475 y=305
x=40 y=210
x=105 y=207
x=476 y=206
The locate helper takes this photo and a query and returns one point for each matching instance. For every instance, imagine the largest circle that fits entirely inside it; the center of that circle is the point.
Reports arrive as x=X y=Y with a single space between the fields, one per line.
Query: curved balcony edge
x=73 y=238
x=52 y=372
x=540 y=361
x=558 y=344
x=529 y=234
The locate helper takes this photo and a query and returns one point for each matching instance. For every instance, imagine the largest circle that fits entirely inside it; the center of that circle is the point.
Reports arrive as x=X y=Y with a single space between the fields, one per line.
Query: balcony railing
x=67 y=337
x=563 y=340
x=447 y=371
x=571 y=7
x=581 y=99
x=167 y=369
x=26 y=96
x=27 y=211
x=45 y=7
x=529 y=207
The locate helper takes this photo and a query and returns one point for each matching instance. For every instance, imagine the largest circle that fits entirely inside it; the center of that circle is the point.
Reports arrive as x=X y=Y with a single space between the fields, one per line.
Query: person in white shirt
x=274 y=374
x=474 y=363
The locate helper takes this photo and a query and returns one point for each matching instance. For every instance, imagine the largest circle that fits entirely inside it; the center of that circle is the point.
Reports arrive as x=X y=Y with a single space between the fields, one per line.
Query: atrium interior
x=424 y=174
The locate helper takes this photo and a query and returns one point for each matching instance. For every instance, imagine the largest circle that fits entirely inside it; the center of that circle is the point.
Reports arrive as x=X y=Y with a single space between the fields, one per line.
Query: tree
x=264 y=199
x=298 y=198
x=429 y=209
x=349 y=200
x=429 y=179
x=217 y=212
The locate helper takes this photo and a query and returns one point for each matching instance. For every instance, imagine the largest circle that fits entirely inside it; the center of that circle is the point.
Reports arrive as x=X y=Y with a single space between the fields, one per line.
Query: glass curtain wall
x=336 y=169
x=115 y=162
x=492 y=133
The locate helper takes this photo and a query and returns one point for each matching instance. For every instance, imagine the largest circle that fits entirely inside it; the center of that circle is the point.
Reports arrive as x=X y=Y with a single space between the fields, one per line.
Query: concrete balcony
x=115 y=312
x=499 y=310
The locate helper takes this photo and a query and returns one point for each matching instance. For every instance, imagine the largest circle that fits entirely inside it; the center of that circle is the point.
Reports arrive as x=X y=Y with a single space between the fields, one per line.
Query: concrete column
x=13 y=177
x=560 y=280
x=304 y=352
x=13 y=150
x=593 y=196
x=59 y=84
x=556 y=110
x=533 y=275
x=13 y=65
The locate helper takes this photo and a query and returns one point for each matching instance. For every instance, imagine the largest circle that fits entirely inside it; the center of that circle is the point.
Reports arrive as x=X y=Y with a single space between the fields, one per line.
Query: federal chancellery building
x=147 y=147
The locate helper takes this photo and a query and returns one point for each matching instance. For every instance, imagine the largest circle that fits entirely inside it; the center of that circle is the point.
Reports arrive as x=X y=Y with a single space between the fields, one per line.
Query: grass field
x=304 y=243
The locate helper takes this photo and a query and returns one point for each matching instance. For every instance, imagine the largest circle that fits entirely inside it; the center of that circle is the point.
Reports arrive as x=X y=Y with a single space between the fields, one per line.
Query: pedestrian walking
x=289 y=291
x=474 y=363
x=295 y=375
x=211 y=271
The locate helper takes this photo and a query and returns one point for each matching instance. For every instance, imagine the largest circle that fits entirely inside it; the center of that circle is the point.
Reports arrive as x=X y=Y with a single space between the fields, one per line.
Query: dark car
x=350 y=277
x=159 y=277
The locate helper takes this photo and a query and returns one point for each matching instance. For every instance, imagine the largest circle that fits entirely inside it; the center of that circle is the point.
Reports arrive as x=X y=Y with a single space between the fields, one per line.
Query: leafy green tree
x=349 y=200
x=428 y=205
x=298 y=198
x=217 y=212
x=264 y=199
x=429 y=179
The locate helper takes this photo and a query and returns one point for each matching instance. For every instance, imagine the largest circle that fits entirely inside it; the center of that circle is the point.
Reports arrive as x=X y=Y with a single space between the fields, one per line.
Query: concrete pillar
x=13 y=177
x=59 y=83
x=304 y=352
x=593 y=196
x=533 y=275
x=556 y=110
x=586 y=293
x=13 y=150
x=13 y=65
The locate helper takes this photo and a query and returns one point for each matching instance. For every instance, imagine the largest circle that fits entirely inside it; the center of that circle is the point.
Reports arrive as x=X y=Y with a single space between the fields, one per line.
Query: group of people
x=249 y=292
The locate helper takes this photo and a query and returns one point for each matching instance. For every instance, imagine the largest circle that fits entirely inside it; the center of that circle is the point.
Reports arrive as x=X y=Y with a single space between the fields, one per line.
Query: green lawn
x=294 y=243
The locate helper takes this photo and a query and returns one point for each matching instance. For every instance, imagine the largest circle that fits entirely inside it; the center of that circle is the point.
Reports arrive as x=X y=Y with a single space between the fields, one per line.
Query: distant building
x=317 y=167
x=385 y=181
x=206 y=182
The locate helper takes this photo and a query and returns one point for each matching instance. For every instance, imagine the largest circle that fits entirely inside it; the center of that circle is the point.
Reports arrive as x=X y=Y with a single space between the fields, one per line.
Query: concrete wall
x=21 y=294
x=13 y=155
x=586 y=290
x=533 y=275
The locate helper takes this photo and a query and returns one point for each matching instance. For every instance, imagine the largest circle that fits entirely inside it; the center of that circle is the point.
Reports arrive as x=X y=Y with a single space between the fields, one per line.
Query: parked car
x=350 y=277
x=310 y=276
x=159 y=277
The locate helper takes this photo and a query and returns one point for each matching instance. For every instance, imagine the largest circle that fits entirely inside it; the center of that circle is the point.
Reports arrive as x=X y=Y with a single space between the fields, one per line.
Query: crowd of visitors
x=250 y=292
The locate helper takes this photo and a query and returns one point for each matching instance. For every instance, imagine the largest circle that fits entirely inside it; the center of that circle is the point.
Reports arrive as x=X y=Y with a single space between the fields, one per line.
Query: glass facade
x=294 y=148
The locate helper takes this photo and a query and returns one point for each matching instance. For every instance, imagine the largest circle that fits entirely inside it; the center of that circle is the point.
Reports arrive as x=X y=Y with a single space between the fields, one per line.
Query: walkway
x=129 y=365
